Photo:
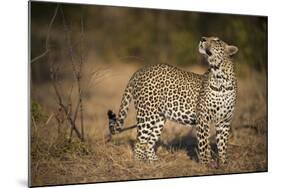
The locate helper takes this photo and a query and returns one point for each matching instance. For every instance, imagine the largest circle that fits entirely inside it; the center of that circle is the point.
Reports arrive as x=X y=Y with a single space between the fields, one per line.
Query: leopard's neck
x=222 y=76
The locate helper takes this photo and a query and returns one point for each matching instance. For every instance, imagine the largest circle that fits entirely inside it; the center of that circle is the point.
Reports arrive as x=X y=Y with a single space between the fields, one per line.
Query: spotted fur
x=162 y=92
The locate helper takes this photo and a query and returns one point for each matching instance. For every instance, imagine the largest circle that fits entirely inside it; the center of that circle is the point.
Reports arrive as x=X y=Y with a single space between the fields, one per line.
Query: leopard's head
x=216 y=50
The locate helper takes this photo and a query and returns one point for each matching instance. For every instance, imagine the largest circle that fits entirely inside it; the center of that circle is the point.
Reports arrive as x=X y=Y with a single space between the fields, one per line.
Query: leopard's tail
x=116 y=123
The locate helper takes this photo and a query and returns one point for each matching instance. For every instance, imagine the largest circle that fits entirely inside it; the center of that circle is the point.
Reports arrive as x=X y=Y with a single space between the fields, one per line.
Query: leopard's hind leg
x=149 y=131
x=156 y=130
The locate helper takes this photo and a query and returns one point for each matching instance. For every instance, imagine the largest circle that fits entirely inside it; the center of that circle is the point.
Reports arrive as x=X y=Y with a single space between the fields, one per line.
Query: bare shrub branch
x=54 y=73
x=69 y=108
x=77 y=69
x=47 y=45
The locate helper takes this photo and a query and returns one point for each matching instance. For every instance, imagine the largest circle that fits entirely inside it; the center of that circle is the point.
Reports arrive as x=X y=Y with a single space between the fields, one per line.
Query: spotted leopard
x=162 y=92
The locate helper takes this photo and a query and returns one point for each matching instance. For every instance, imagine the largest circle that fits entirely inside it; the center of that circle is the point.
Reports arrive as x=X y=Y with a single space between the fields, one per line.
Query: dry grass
x=56 y=161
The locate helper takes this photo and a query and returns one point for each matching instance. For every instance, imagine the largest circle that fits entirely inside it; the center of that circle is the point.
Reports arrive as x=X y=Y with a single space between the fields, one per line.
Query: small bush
x=37 y=112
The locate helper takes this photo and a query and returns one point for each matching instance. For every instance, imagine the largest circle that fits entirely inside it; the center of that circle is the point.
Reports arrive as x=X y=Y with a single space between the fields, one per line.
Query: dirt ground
x=56 y=161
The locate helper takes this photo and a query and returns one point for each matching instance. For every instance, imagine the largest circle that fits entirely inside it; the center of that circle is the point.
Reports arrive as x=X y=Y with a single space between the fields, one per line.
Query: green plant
x=37 y=113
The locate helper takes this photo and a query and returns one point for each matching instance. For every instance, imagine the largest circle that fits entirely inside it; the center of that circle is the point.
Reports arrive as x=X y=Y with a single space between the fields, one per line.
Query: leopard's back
x=167 y=90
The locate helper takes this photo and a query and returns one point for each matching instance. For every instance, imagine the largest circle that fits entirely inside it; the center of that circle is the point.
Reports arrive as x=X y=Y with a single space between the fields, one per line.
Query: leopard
x=164 y=92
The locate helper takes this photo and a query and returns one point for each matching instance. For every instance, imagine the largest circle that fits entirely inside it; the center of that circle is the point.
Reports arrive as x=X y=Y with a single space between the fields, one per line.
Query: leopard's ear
x=231 y=50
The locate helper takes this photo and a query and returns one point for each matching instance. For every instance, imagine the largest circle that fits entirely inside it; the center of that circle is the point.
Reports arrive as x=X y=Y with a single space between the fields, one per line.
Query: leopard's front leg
x=222 y=135
x=203 y=134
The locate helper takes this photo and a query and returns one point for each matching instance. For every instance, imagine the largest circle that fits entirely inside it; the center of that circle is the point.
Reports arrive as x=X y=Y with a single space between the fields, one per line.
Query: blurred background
x=153 y=36
x=113 y=43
